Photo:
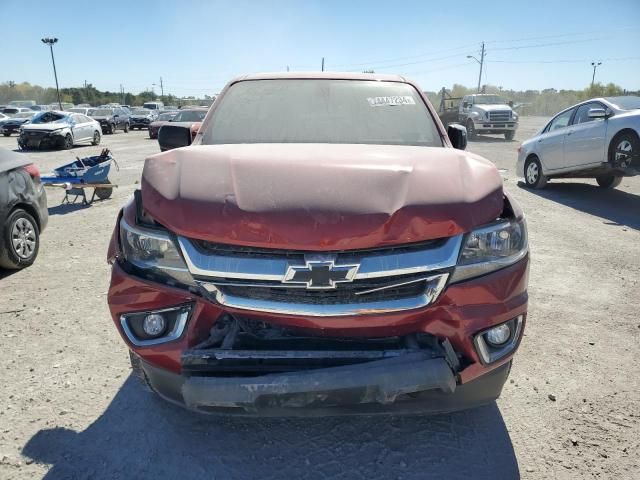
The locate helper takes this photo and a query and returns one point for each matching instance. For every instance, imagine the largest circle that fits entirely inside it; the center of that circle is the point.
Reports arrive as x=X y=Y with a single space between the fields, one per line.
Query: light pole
x=481 y=62
x=594 y=65
x=50 y=42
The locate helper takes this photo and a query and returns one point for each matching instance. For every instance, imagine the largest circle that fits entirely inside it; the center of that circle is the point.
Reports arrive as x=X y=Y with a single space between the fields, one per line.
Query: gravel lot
x=69 y=408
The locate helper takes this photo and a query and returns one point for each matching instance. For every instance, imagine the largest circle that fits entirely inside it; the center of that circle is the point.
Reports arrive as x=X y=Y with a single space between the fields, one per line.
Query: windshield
x=322 y=111
x=166 y=116
x=489 y=100
x=190 y=116
x=100 y=112
x=141 y=112
x=625 y=103
x=50 y=117
x=151 y=106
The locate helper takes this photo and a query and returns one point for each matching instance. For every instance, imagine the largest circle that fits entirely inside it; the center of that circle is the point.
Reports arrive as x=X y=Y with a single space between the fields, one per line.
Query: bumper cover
x=409 y=384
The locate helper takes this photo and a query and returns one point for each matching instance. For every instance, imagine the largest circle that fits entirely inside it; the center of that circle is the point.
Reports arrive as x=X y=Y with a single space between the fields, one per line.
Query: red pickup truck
x=324 y=246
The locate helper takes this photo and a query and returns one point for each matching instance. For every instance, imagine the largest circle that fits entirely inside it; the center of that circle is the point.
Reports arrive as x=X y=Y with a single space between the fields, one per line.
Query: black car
x=142 y=117
x=13 y=124
x=23 y=210
x=111 y=119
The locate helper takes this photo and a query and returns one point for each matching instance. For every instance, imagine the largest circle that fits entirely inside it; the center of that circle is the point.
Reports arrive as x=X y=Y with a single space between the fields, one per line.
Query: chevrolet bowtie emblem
x=320 y=273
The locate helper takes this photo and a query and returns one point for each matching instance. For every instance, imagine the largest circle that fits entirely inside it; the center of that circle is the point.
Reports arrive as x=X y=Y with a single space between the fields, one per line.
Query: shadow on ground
x=140 y=436
x=616 y=207
x=65 y=208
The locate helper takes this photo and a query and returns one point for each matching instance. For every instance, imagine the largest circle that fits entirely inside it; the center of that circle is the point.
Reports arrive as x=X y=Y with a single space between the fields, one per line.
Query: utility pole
x=50 y=42
x=161 y=88
x=121 y=94
x=481 y=62
x=287 y=68
x=323 y=64
x=594 y=65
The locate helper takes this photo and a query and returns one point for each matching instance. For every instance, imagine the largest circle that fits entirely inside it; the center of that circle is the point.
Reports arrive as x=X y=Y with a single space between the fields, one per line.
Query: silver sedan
x=598 y=138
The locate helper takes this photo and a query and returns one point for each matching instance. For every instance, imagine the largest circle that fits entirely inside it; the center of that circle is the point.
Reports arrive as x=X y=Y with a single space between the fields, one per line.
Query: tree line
x=536 y=102
x=88 y=94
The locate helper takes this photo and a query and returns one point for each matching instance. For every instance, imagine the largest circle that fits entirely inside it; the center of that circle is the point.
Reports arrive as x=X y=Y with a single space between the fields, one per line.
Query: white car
x=59 y=130
x=598 y=138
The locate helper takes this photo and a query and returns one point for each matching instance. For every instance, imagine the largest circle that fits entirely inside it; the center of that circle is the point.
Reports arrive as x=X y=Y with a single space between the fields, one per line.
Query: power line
x=620 y=59
x=519 y=47
x=561 y=35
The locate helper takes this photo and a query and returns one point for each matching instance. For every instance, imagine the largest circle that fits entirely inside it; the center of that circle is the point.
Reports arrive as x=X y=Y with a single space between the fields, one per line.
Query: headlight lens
x=514 y=115
x=491 y=248
x=153 y=251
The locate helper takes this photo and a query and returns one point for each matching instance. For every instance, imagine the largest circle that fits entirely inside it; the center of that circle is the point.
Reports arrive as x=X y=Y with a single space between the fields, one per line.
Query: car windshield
x=50 y=117
x=489 y=100
x=100 y=112
x=151 y=106
x=322 y=111
x=625 y=103
x=190 y=116
x=141 y=112
x=166 y=116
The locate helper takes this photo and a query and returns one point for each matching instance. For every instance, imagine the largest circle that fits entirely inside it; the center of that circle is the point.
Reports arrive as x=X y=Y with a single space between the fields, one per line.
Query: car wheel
x=96 y=138
x=471 y=130
x=509 y=135
x=622 y=149
x=609 y=181
x=20 y=241
x=533 y=176
x=126 y=127
x=68 y=142
x=112 y=128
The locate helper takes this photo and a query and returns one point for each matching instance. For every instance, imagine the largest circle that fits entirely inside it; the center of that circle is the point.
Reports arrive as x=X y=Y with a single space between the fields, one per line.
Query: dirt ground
x=571 y=409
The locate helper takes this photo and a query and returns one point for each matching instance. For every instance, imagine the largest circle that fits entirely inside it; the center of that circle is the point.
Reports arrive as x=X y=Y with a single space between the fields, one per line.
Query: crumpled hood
x=45 y=126
x=491 y=108
x=318 y=196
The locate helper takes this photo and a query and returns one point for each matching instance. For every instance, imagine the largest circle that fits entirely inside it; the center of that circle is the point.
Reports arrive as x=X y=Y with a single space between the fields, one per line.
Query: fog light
x=154 y=324
x=498 y=335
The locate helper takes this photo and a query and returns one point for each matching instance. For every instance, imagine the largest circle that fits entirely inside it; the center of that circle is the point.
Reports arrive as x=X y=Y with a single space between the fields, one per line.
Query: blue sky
x=196 y=46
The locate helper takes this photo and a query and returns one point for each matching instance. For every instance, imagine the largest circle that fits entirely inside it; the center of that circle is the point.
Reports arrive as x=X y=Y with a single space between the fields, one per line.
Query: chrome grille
x=500 y=116
x=381 y=280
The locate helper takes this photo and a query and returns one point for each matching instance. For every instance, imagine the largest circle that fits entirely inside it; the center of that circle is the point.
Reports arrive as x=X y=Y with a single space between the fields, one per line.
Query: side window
x=84 y=119
x=582 y=114
x=561 y=121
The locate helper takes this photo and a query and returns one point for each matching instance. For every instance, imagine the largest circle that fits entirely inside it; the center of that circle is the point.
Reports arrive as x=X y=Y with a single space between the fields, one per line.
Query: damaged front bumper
x=402 y=385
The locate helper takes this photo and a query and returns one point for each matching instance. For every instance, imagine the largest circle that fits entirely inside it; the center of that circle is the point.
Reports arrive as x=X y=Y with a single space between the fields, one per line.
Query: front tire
x=609 y=181
x=96 y=138
x=112 y=130
x=20 y=241
x=68 y=142
x=533 y=175
x=126 y=127
x=622 y=149
x=471 y=130
x=508 y=136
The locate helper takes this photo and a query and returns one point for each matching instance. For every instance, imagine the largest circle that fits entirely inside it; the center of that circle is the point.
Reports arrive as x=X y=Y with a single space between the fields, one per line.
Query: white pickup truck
x=485 y=113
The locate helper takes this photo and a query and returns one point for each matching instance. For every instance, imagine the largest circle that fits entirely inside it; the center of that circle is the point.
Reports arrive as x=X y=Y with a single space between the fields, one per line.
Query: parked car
x=153 y=106
x=13 y=110
x=111 y=119
x=23 y=210
x=190 y=118
x=40 y=108
x=59 y=130
x=4 y=117
x=14 y=122
x=482 y=113
x=356 y=261
x=141 y=118
x=82 y=110
x=162 y=119
x=597 y=138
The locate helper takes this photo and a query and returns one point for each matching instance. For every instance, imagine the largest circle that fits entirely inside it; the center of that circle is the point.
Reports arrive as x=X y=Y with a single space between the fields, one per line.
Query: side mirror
x=173 y=136
x=597 y=113
x=457 y=135
x=465 y=104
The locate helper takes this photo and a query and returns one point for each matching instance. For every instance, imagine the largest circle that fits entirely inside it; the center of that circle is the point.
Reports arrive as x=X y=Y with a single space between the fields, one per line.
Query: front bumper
x=401 y=385
x=48 y=140
x=495 y=127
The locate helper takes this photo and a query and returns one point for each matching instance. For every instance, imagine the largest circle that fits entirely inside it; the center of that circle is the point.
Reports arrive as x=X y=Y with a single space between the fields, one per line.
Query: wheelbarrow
x=83 y=173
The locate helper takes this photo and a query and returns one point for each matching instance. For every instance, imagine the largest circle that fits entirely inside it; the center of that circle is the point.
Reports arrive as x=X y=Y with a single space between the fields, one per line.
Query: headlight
x=154 y=252
x=491 y=248
x=57 y=130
